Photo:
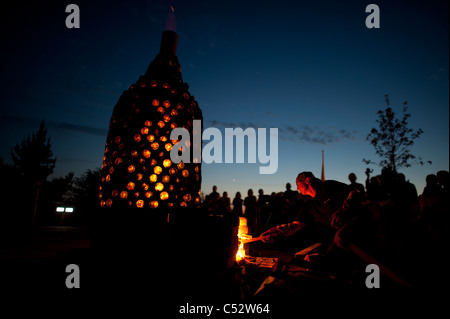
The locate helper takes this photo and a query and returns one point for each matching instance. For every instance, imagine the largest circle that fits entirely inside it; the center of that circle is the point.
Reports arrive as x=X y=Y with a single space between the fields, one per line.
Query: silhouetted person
x=225 y=204
x=431 y=193
x=356 y=186
x=237 y=205
x=406 y=190
x=250 y=211
x=434 y=209
x=290 y=197
x=276 y=210
x=262 y=212
x=289 y=194
x=375 y=190
x=212 y=200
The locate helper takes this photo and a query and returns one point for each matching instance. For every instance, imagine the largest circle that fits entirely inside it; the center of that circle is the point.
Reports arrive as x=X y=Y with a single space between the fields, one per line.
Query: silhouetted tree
x=33 y=158
x=84 y=195
x=393 y=139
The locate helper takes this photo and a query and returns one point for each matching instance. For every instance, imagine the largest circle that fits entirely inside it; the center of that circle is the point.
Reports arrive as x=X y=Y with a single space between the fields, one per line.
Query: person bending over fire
x=329 y=207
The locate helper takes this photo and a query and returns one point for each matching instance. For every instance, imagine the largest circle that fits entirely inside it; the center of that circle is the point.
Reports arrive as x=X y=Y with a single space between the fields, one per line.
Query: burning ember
x=242 y=236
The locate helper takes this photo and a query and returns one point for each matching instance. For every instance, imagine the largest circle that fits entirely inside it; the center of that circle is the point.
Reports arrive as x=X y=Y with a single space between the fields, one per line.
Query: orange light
x=166 y=103
x=123 y=194
x=117 y=139
x=140 y=203
x=131 y=169
x=242 y=234
x=166 y=117
x=153 y=162
x=153 y=178
x=130 y=186
x=174 y=112
x=118 y=161
x=102 y=203
x=109 y=202
x=159 y=187
x=180 y=165
x=161 y=124
x=187 y=198
x=160 y=109
x=166 y=179
x=172 y=171
x=173 y=125
x=150 y=138
x=167 y=162
x=154 y=146
x=134 y=153
x=153 y=84
x=154 y=204
x=166 y=86
x=115 y=193
x=148 y=194
x=139 y=176
x=146 y=153
x=108 y=178
x=137 y=138
x=148 y=123
x=157 y=170
x=144 y=130
x=163 y=138
x=164 y=195
x=185 y=173
x=155 y=102
x=145 y=186
x=168 y=147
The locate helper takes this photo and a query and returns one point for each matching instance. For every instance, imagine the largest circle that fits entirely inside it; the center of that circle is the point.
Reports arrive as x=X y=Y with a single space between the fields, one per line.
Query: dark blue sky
x=310 y=68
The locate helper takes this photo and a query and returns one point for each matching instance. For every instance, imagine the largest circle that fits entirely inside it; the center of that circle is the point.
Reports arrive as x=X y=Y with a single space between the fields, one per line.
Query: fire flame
x=242 y=235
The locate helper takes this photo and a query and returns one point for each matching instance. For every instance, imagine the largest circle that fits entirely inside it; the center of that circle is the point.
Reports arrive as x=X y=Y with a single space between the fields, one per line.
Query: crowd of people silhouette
x=389 y=201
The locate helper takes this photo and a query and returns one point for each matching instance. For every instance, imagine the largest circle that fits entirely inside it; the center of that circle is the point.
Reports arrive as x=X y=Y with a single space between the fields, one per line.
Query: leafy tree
x=33 y=158
x=393 y=138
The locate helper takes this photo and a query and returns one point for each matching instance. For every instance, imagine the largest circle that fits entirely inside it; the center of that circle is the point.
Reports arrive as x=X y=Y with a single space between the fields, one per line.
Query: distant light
x=64 y=209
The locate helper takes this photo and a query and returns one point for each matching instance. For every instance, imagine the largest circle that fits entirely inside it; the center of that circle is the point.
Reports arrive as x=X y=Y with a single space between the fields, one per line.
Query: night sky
x=312 y=69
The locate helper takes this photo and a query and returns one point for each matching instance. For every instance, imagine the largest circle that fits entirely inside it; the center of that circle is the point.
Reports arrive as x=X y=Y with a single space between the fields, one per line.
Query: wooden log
x=302 y=253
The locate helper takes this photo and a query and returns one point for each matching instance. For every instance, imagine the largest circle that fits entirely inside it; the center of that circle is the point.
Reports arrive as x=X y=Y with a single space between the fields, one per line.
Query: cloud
x=77 y=128
x=297 y=134
x=7 y=119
